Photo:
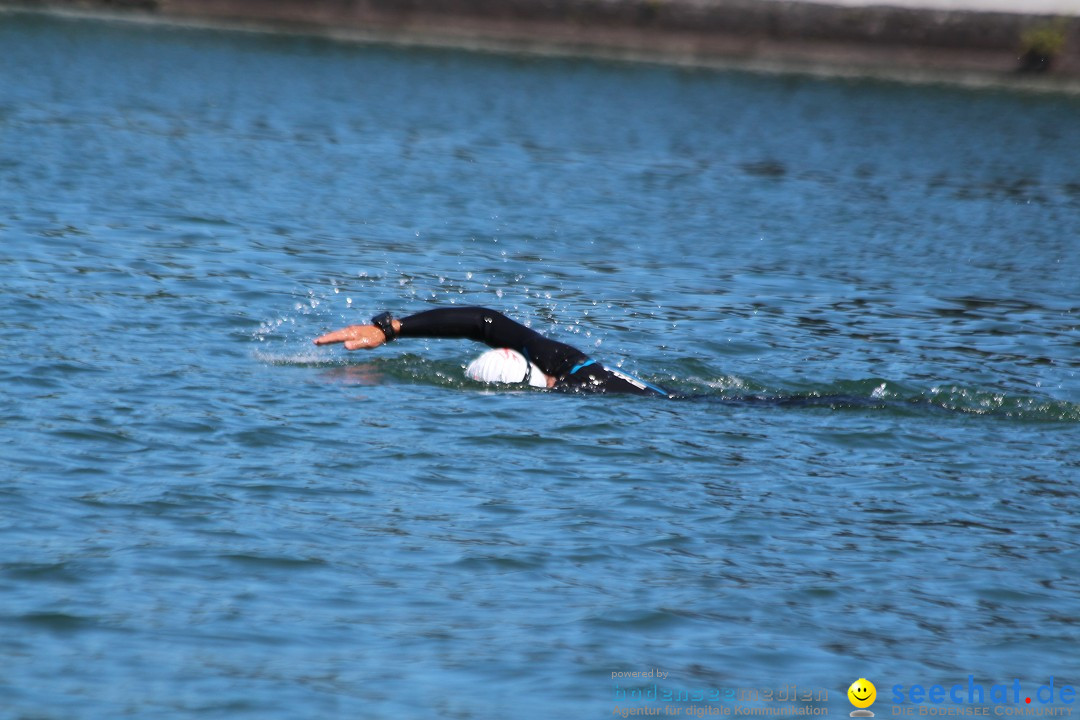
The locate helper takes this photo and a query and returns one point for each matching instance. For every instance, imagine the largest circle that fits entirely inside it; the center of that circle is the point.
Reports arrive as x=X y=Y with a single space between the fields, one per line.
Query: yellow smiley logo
x=862 y=693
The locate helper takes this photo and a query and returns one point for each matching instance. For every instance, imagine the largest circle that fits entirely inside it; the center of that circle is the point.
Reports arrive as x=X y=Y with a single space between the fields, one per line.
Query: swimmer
x=524 y=357
x=521 y=356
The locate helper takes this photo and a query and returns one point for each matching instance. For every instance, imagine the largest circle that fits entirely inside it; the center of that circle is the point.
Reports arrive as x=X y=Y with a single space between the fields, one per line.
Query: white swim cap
x=505 y=366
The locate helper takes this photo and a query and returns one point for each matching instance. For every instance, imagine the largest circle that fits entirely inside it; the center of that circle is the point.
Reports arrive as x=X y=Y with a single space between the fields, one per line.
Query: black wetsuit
x=571 y=368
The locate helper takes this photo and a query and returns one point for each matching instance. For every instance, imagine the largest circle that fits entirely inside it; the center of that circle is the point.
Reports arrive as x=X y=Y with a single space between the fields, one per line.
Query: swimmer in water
x=521 y=356
x=524 y=357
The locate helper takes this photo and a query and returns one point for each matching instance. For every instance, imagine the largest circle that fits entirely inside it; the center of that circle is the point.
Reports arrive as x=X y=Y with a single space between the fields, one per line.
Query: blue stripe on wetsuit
x=580 y=365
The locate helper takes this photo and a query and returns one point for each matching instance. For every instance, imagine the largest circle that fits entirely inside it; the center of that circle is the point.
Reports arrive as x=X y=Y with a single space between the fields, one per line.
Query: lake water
x=865 y=295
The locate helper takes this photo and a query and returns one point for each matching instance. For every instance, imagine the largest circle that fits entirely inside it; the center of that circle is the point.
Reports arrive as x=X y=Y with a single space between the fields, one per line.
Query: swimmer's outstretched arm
x=472 y=323
x=357 y=336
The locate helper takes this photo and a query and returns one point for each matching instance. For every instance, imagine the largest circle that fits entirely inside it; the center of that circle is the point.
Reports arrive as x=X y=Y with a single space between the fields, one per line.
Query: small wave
x=984 y=402
x=302 y=358
x=878 y=393
x=727 y=384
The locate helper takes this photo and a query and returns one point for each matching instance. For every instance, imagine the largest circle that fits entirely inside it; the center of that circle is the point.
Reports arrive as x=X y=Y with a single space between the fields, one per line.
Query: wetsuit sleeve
x=494 y=330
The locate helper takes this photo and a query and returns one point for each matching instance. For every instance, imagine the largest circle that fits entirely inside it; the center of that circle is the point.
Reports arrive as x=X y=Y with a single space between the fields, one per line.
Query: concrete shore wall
x=781 y=35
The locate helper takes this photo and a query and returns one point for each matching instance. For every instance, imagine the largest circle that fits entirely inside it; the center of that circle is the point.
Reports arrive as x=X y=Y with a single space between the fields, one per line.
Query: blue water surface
x=865 y=295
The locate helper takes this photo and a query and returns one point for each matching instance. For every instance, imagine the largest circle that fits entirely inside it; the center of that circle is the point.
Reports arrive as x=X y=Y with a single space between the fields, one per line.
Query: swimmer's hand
x=354 y=337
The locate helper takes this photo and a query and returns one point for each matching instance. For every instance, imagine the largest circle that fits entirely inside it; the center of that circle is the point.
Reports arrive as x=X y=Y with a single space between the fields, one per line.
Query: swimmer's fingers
x=338 y=335
x=354 y=337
